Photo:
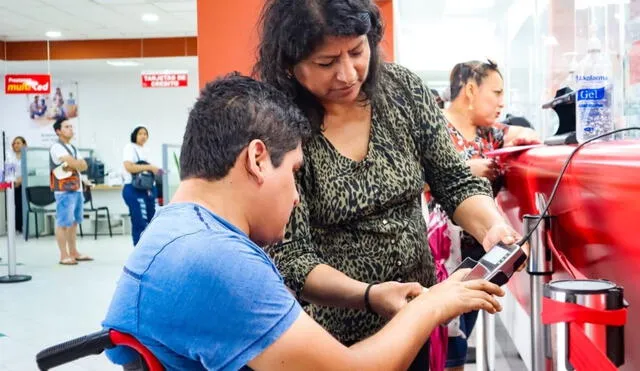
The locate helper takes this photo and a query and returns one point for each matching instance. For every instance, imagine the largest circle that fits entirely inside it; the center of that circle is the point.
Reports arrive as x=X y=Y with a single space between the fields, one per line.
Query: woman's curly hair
x=292 y=29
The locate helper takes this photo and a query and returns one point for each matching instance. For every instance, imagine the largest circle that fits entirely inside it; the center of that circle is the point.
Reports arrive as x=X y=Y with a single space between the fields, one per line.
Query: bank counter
x=596 y=216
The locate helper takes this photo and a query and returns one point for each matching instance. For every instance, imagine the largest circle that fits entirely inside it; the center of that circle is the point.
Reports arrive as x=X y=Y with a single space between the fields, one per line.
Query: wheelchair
x=94 y=344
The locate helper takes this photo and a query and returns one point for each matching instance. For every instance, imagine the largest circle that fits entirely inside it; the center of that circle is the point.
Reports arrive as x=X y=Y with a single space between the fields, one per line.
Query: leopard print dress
x=364 y=218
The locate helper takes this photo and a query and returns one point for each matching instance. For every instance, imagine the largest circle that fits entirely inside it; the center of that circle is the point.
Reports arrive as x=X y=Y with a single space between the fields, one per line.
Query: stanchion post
x=486 y=340
x=11 y=230
x=540 y=269
x=11 y=239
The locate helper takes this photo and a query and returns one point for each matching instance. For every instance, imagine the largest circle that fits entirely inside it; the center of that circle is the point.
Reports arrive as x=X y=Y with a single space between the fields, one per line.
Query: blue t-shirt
x=199 y=294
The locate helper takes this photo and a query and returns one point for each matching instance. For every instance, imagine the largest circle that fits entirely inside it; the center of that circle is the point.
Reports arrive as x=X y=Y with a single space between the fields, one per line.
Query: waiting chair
x=38 y=198
x=94 y=344
x=88 y=199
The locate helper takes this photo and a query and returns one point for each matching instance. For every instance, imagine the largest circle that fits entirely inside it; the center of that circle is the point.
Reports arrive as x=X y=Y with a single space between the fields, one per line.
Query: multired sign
x=27 y=84
x=165 y=79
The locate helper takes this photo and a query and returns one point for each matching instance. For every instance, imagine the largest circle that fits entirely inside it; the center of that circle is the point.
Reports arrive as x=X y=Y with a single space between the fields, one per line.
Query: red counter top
x=597 y=213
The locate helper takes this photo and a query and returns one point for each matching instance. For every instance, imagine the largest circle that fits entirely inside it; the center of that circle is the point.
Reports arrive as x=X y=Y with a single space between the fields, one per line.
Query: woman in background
x=141 y=202
x=17 y=145
x=477 y=100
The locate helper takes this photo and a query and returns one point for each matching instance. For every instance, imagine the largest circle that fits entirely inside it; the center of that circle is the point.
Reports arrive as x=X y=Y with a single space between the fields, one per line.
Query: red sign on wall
x=27 y=84
x=165 y=79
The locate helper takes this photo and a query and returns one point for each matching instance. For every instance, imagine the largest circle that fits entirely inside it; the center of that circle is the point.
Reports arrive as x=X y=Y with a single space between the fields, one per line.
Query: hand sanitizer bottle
x=594 y=93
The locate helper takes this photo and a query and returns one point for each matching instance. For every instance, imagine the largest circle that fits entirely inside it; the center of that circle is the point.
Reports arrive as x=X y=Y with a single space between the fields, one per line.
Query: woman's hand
x=502 y=232
x=484 y=168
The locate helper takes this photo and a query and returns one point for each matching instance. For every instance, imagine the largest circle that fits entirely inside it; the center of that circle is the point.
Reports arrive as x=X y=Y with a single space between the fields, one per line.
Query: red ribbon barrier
x=562 y=259
x=583 y=353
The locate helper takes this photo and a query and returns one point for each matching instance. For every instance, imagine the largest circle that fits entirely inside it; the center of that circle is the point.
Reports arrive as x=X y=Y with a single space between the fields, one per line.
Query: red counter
x=596 y=212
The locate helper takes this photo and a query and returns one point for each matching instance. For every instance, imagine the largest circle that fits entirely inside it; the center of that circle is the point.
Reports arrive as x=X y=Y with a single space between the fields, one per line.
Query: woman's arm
x=129 y=158
x=448 y=176
x=136 y=168
x=479 y=216
x=465 y=197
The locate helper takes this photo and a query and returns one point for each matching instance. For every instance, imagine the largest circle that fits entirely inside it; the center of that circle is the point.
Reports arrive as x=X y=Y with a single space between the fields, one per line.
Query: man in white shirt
x=67 y=186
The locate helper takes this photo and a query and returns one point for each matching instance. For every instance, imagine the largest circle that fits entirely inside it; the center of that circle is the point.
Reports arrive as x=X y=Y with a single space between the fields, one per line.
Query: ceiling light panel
x=186 y=6
x=118 y=2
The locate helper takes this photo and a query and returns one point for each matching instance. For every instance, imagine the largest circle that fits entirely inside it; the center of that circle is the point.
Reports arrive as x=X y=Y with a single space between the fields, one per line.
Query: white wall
x=110 y=107
x=432 y=36
x=111 y=103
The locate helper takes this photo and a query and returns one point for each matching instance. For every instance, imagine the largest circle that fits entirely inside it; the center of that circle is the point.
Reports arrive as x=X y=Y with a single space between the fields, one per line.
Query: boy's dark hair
x=58 y=124
x=231 y=112
x=134 y=133
x=292 y=29
x=463 y=72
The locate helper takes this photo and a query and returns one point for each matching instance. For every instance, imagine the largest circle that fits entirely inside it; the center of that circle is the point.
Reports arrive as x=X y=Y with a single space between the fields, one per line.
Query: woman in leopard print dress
x=378 y=138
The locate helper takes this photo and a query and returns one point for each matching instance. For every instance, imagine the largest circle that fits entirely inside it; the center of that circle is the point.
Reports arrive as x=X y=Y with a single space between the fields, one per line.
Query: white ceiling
x=22 y=20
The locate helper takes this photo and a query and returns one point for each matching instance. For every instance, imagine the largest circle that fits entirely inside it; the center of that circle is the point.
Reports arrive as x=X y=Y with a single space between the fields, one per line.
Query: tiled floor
x=64 y=302
x=60 y=302
x=507 y=357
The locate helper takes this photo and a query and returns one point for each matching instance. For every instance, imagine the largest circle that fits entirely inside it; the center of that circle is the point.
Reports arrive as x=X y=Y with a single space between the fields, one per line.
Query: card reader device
x=497 y=265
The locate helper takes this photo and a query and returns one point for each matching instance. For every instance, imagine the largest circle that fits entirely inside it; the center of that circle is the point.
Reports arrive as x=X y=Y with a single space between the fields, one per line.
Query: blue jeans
x=142 y=208
x=457 y=347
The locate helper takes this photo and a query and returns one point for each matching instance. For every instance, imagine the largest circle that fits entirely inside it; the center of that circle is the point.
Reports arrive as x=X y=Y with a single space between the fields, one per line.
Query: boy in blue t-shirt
x=200 y=293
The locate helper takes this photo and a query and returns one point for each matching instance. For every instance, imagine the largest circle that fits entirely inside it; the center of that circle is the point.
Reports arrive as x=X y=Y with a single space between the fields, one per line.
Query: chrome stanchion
x=486 y=342
x=594 y=294
x=11 y=235
x=540 y=269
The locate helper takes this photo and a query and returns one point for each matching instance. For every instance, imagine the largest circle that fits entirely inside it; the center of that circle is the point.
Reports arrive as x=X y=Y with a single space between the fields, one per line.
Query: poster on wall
x=42 y=110
x=165 y=79
x=25 y=84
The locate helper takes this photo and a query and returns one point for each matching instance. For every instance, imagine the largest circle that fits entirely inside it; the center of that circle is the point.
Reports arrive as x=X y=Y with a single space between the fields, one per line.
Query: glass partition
x=35 y=164
x=536 y=43
x=35 y=167
x=569 y=27
x=35 y=172
x=630 y=36
x=171 y=167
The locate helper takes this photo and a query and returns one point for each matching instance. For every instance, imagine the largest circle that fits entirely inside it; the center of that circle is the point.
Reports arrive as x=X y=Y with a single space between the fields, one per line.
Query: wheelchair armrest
x=71 y=350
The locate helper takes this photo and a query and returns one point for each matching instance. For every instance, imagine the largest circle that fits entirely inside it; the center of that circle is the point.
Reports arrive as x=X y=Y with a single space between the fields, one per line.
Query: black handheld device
x=497 y=265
